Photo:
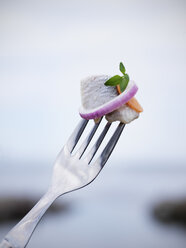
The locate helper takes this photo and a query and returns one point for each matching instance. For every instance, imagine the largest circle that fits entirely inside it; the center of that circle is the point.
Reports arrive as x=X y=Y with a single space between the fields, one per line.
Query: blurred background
x=46 y=48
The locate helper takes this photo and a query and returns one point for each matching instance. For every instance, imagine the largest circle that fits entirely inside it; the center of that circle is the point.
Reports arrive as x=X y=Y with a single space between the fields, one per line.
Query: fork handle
x=20 y=234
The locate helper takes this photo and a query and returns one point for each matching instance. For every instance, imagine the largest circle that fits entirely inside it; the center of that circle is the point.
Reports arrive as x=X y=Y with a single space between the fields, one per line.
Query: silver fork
x=71 y=172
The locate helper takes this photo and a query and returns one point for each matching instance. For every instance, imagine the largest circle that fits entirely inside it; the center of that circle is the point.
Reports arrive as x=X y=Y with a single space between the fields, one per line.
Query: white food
x=94 y=93
x=124 y=114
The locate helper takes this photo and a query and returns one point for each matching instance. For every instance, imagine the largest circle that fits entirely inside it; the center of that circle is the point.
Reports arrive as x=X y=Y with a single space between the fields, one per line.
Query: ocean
x=113 y=211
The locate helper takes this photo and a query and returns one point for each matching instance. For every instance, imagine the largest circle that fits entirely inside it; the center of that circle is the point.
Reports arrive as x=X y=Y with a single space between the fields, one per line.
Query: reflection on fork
x=71 y=172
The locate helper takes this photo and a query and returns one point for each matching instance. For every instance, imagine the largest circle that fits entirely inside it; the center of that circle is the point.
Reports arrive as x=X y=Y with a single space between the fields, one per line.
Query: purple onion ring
x=110 y=106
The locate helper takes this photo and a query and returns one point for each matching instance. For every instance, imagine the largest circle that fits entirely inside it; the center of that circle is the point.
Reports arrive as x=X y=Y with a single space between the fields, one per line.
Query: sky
x=47 y=47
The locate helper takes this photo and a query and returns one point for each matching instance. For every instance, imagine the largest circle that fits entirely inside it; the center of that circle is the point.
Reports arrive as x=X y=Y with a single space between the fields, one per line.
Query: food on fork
x=110 y=96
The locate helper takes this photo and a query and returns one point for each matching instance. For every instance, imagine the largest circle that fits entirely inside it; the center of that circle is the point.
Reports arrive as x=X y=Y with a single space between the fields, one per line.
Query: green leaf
x=122 y=68
x=118 y=80
x=127 y=77
x=113 y=81
x=123 y=84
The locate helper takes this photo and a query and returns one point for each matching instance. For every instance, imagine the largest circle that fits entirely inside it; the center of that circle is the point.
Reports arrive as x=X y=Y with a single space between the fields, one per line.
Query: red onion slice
x=111 y=105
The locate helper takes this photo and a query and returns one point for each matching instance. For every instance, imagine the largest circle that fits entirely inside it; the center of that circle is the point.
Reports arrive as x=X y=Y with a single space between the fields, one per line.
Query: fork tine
x=75 y=136
x=110 y=146
x=94 y=149
x=87 y=141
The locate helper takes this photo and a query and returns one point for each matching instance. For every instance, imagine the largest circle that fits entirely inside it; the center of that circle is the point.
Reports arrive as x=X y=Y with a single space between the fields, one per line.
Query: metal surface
x=71 y=172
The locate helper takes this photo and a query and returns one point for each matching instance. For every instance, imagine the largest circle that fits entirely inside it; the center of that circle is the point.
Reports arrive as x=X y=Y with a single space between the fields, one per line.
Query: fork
x=71 y=172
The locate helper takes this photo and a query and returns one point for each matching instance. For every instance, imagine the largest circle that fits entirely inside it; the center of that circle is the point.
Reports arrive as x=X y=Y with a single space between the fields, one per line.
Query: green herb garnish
x=122 y=81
